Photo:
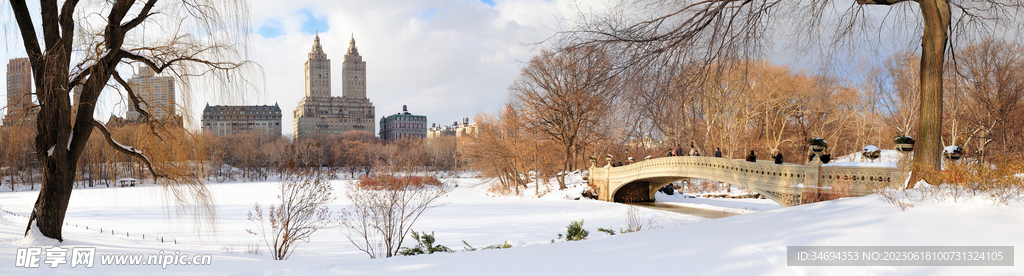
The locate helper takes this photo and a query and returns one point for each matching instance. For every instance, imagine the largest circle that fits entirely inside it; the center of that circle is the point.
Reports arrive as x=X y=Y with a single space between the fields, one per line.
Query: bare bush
x=636 y=222
x=385 y=207
x=302 y=211
x=999 y=182
x=897 y=198
x=633 y=221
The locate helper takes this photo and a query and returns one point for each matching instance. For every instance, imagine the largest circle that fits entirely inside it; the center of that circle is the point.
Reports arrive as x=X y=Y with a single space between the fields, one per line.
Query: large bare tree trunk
x=927 y=157
x=54 y=196
x=59 y=141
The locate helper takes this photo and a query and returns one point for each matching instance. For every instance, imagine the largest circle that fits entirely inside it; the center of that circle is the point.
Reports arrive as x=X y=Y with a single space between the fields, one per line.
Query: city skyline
x=447 y=59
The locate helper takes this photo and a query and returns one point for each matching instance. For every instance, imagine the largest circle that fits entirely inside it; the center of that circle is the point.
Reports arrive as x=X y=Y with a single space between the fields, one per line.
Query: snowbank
x=750 y=244
x=36 y=239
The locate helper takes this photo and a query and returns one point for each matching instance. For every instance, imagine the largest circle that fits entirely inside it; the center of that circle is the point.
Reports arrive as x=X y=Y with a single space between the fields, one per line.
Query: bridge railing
x=730 y=168
x=864 y=178
x=762 y=175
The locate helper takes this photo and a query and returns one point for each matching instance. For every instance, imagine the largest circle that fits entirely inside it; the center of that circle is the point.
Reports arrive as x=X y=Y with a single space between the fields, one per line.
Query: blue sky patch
x=271 y=28
x=427 y=15
x=313 y=24
x=488 y=2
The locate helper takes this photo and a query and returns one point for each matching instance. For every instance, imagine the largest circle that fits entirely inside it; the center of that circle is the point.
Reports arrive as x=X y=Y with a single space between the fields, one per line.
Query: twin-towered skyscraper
x=321 y=113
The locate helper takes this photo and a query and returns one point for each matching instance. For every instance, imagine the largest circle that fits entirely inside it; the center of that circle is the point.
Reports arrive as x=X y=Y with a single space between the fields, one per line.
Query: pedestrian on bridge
x=718 y=152
x=778 y=157
x=678 y=151
x=693 y=151
x=751 y=157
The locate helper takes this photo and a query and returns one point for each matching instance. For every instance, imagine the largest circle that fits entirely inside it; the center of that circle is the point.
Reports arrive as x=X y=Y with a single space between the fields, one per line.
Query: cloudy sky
x=446 y=59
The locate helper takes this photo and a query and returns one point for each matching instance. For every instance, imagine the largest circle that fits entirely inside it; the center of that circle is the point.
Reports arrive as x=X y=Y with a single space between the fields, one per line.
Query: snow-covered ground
x=749 y=244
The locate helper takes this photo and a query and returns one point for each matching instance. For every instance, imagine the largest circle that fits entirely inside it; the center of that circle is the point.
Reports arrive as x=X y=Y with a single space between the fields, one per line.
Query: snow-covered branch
x=129 y=150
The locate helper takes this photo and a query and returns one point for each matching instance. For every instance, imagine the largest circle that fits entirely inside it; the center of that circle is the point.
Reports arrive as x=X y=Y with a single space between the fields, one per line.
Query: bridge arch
x=781 y=183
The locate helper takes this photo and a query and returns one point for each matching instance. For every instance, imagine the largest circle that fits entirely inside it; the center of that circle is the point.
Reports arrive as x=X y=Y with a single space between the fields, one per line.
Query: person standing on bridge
x=693 y=151
x=718 y=152
x=678 y=151
x=778 y=157
x=751 y=157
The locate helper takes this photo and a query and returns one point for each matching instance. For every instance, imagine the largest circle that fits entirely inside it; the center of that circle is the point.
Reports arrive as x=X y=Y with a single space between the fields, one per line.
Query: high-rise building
x=223 y=120
x=321 y=113
x=403 y=125
x=157 y=94
x=20 y=109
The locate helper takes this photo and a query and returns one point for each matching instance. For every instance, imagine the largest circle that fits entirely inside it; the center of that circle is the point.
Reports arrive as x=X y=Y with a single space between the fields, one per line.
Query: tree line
x=237 y=157
x=574 y=103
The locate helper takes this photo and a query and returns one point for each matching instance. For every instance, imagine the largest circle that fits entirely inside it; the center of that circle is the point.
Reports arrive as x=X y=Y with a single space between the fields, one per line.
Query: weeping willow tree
x=86 y=46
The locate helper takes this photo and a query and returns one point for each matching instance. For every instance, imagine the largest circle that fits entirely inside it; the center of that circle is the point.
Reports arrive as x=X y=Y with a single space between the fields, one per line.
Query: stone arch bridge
x=787 y=184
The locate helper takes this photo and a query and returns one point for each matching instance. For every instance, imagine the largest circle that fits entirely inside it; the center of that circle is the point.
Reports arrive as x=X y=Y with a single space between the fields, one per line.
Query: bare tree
x=563 y=94
x=722 y=30
x=351 y=154
x=189 y=38
x=782 y=97
x=897 y=87
x=302 y=211
x=384 y=209
x=992 y=78
x=498 y=149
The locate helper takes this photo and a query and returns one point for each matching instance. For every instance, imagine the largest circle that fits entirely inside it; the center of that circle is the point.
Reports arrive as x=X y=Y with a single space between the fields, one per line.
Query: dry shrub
x=499 y=188
x=1001 y=181
x=391 y=182
x=898 y=198
x=301 y=212
x=635 y=221
x=253 y=248
x=384 y=209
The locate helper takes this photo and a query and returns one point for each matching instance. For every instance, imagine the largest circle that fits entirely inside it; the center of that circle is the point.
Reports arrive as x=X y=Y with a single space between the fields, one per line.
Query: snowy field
x=750 y=244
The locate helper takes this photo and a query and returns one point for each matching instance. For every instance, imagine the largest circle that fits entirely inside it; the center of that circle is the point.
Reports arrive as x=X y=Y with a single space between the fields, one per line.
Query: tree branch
x=67 y=26
x=159 y=68
x=143 y=15
x=130 y=151
x=51 y=36
x=136 y=102
x=881 y=2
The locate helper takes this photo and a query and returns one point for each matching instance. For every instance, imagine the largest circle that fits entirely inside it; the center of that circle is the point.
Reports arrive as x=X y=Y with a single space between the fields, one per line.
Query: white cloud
x=445 y=59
